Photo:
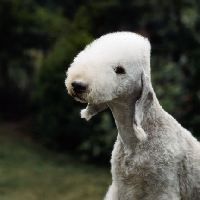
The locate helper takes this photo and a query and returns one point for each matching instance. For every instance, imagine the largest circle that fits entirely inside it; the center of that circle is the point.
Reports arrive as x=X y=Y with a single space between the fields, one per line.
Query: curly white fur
x=154 y=157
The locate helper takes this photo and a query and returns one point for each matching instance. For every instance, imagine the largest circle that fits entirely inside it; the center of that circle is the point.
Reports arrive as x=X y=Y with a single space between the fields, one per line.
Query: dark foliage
x=41 y=38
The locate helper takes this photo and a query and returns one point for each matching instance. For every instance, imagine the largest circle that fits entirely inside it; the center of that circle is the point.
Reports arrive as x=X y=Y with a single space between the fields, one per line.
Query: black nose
x=79 y=87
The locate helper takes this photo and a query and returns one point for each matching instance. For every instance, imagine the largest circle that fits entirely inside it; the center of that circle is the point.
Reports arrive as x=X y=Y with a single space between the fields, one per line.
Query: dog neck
x=123 y=110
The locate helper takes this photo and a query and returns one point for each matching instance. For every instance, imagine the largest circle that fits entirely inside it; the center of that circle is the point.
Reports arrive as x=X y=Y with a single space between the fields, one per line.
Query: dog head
x=109 y=67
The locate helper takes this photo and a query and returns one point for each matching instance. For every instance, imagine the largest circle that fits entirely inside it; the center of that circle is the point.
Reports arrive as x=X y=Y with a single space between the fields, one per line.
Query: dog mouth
x=80 y=99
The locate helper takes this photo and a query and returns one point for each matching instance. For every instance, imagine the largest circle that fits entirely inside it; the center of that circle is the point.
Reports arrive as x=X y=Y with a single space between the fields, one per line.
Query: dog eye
x=119 y=70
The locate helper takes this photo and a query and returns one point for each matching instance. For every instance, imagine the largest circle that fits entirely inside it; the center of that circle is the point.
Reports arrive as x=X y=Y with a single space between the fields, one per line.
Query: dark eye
x=119 y=70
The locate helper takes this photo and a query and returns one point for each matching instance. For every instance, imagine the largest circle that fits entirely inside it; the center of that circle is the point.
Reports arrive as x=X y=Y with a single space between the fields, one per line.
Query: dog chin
x=80 y=100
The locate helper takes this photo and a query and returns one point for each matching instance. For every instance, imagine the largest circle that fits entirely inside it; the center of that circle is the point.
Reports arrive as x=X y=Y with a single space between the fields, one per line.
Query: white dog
x=154 y=158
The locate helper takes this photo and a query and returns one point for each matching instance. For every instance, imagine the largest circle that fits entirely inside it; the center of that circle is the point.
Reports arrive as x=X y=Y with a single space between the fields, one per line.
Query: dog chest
x=141 y=173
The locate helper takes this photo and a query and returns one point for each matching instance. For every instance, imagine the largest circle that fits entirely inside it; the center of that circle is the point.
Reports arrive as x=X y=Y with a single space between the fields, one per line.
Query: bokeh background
x=46 y=150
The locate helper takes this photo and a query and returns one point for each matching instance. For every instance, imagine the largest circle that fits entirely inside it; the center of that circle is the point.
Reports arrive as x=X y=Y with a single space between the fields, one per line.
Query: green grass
x=29 y=172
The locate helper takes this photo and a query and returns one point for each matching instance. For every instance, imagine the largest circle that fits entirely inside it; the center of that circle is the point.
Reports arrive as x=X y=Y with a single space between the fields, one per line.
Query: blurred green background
x=39 y=40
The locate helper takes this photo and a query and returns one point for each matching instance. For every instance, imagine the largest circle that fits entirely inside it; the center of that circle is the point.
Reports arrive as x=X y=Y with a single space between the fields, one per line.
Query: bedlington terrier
x=154 y=157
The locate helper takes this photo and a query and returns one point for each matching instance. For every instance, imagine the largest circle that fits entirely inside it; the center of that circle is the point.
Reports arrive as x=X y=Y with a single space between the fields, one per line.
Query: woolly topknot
x=121 y=47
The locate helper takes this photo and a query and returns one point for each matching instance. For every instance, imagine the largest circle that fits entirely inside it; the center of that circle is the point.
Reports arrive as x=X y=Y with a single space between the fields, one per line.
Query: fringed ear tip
x=84 y=114
x=140 y=134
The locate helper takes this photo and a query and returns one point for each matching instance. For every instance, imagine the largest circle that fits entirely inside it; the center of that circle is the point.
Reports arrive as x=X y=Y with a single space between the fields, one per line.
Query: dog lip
x=77 y=97
x=80 y=100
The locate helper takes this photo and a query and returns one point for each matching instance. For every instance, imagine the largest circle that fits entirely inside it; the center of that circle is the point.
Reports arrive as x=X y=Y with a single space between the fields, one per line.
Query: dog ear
x=142 y=104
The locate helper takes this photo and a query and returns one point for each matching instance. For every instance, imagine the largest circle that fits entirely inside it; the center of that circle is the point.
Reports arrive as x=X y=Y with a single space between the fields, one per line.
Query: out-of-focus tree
x=56 y=30
x=25 y=28
x=172 y=28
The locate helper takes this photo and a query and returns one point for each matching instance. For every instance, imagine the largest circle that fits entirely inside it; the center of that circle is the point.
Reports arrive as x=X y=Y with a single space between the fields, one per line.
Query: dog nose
x=79 y=87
